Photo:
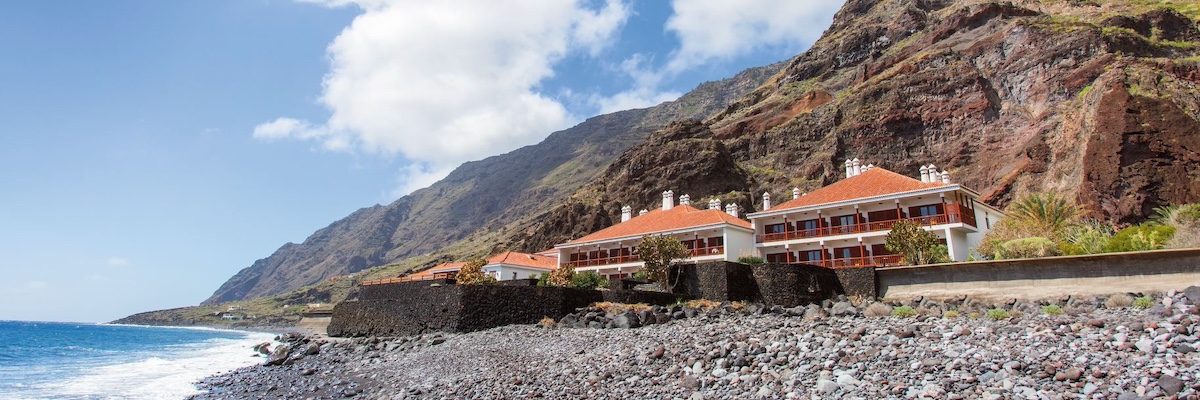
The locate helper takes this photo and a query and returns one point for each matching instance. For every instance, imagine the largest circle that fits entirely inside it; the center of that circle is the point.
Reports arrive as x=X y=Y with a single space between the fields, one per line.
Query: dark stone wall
x=413 y=308
x=717 y=281
x=858 y=281
x=793 y=285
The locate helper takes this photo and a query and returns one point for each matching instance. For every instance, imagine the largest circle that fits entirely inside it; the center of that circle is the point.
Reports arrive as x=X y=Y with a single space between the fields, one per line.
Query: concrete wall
x=1046 y=277
x=738 y=244
x=506 y=272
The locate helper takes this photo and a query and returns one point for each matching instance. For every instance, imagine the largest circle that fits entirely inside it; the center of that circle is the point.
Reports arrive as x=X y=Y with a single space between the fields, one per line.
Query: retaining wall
x=772 y=284
x=1149 y=271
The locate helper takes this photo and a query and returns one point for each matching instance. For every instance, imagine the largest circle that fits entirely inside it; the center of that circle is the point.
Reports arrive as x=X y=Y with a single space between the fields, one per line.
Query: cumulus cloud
x=720 y=29
x=442 y=82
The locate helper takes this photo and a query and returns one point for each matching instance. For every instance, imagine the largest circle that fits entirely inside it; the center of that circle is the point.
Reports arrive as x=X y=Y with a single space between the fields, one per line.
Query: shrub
x=973 y=315
x=588 y=280
x=914 y=243
x=997 y=314
x=1031 y=247
x=543 y=278
x=1186 y=221
x=617 y=308
x=950 y=314
x=1044 y=215
x=751 y=260
x=546 y=322
x=1141 y=238
x=640 y=275
x=1089 y=236
x=1052 y=309
x=878 y=310
x=702 y=304
x=1143 y=302
x=472 y=274
x=561 y=277
x=659 y=253
x=1119 y=300
x=904 y=312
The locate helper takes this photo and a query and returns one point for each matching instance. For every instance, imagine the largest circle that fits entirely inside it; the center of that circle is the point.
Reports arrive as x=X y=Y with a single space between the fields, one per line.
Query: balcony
x=857 y=262
x=953 y=215
x=598 y=262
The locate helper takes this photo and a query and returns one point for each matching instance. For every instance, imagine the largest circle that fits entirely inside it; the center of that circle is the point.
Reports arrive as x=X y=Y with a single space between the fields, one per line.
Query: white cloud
x=644 y=93
x=443 y=82
x=116 y=262
x=721 y=29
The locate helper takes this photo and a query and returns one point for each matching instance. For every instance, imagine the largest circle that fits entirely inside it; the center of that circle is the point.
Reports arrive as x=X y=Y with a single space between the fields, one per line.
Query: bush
x=588 y=280
x=618 y=308
x=1032 y=247
x=1046 y=215
x=904 y=312
x=702 y=304
x=1143 y=302
x=640 y=275
x=917 y=245
x=472 y=274
x=546 y=322
x=543 y=278
x=1052 y=309
x=1089 y=236
x=1141 y=238
x=878 y=310
x=1119 y=300
x=561 y=277
x=659 y=253
x=950 y=314
x=997 y=314
x=751 y=260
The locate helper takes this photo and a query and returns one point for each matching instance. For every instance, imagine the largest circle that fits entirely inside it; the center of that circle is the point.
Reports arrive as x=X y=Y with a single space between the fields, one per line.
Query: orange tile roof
x=677 y=218
x=875 y=182
x=524 y=260
x=440 y=268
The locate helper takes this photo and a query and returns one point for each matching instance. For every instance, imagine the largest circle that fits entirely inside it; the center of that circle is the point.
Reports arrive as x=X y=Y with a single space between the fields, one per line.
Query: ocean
x=55 y=360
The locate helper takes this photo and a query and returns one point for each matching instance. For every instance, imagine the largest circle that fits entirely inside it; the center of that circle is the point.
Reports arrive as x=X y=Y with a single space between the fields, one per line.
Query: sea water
x=54 y=360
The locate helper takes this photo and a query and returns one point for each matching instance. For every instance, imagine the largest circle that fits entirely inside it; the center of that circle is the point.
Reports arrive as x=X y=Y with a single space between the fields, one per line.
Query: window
x=846 y=220
x=774 y=228
x=925 y=211
x=812 y=255
x=777 y=258
x=809 y=225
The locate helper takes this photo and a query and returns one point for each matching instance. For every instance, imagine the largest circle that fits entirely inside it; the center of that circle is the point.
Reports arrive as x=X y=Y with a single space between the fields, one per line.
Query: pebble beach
x=1099 y=347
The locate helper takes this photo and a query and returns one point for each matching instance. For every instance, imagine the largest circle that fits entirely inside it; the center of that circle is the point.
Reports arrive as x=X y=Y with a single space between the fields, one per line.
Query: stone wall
x=412 y=308
x=773 y=284
x=857 y=281
x=1149 y=271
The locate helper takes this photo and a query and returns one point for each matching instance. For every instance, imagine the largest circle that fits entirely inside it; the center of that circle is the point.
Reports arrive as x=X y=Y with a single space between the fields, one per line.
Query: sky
x=150 y=149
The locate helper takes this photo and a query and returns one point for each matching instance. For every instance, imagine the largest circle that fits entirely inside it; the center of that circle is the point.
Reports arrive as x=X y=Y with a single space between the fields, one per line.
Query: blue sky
x=152 y=149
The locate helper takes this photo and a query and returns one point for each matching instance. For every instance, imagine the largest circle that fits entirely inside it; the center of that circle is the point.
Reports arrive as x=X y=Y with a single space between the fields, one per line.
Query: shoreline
x=827 y=351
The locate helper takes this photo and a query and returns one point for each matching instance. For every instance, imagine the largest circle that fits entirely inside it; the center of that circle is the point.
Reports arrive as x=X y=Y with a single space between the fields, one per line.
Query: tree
x=561 y=277
x=660 y=253
x=1047 y=215
x=472 y=274
x=917 y=245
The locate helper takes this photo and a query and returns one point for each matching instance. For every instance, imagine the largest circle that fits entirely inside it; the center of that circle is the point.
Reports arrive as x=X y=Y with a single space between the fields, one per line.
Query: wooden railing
x=411 y=278
x=873 y=226
x=873 y=261
x=595 y=262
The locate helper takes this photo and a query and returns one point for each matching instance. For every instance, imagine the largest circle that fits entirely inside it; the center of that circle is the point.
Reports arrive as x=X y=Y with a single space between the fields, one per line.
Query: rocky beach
x=1123 y=346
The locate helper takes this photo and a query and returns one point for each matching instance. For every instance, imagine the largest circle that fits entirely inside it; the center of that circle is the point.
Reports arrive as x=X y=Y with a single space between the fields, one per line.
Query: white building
x=846 y=223
x=711 y=235
x=512 y=265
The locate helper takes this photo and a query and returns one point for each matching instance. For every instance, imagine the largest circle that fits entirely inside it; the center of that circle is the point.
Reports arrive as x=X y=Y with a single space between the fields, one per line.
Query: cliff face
x=467 y=212
x=1096 y=99
x=1101 y=102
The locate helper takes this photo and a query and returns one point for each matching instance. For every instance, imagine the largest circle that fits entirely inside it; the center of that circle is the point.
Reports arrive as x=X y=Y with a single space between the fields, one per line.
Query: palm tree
x=1043 y=213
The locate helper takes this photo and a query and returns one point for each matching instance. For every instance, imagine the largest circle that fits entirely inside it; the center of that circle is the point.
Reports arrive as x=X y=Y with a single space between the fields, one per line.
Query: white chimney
x=626 y=213
x=714 y=204
x=685 y=200
x=643 y=212
x=668 y=200
x=766 y=201
x=857 y=166
x=869 y=167
x=933 y=174
x=924 y=174
x=795 y=193
x=849 y=168
x=732 y=209
x=945 y=177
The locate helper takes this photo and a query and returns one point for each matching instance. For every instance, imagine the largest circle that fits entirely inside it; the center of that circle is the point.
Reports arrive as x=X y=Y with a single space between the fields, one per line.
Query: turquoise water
x=54 y=360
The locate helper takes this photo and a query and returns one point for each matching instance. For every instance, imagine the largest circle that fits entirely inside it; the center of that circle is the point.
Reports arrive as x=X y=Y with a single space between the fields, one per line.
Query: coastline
x=818 y=351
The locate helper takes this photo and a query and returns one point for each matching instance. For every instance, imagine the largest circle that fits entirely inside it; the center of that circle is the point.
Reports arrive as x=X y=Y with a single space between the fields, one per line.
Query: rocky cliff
x=470 y=210
x=1099 y=100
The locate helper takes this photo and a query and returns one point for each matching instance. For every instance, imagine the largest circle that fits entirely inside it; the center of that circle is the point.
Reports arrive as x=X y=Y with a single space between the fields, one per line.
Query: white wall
x=739 y=243
x=506 y=272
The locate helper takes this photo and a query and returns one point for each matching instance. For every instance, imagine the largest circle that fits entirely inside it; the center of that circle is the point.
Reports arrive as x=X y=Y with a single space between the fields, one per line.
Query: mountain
x=1096 y=99
x=468 y=211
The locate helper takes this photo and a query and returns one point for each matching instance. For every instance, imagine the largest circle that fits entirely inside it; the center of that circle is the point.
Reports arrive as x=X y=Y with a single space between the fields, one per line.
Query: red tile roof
x=524 y=260
x=677 y=218
x=875 y=182
x=440 y=268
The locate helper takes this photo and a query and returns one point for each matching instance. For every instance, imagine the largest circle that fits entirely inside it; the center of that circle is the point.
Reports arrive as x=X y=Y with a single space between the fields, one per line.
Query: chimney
x=869 y=167
x=924 y=174
x=685 y=200
x=626 y=213
x=732 y=209
x=643 y=212
x=945 y=177
x=766 y=201
x=857 y=166
x=933 y=174
x=849 y=168
x=668 y=200
x=714 y=204
x=795 y=193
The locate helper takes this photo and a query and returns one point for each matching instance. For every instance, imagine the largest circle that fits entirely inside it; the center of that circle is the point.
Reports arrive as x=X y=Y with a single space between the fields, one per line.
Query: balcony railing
x=410 y=278
x=873 y=261
x=596 y=262
x=873 y=226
